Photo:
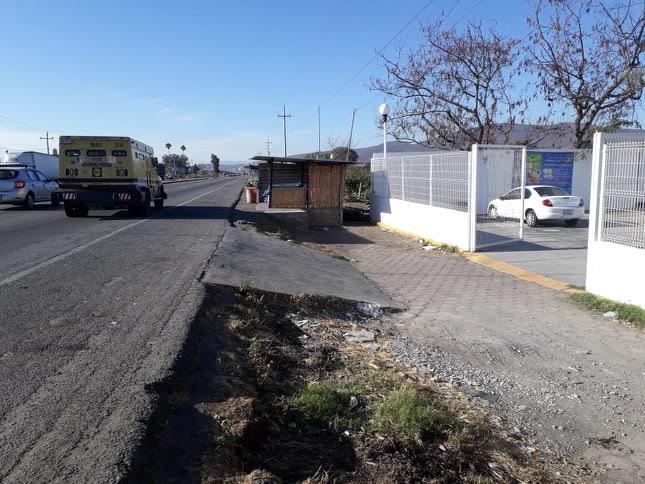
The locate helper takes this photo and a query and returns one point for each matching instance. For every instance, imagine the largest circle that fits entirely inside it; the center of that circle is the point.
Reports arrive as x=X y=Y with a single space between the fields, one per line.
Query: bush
x=408 y=415
x=324 y=402
x=357 y=178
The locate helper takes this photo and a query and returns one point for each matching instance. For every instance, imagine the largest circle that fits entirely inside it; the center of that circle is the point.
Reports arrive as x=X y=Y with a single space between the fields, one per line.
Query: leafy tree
x=215 y=162
x=588 y=58
x=168 y=146
x=340 y=153
x=337 y=153
x=358 y=181
x=175 y=160
x=456 y=89
x=195 y=169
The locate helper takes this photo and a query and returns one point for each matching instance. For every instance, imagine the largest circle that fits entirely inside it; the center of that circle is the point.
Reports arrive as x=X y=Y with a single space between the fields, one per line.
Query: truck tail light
x=19 y=184
x=547 y=203
x=582 y=203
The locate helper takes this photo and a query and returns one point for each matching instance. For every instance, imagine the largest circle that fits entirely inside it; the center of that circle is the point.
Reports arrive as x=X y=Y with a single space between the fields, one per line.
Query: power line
x=380 y=51
x=316 y=48
x=18 y=125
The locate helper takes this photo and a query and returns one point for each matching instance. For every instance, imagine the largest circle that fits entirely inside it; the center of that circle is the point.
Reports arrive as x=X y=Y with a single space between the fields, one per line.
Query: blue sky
x=207 y=74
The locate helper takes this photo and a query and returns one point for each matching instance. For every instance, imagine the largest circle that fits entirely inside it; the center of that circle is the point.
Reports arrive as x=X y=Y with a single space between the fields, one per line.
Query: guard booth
x=313 y=187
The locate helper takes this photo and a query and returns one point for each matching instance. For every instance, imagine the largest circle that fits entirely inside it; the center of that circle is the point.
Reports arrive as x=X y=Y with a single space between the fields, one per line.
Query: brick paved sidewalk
x=573 y=381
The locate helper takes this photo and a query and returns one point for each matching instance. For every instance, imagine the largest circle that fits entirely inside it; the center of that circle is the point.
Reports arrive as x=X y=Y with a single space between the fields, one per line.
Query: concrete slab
x=275 y=265
x=552 y=250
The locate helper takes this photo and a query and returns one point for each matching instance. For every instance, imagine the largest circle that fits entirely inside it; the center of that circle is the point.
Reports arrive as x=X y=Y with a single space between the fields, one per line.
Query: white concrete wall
x=616 y=272
x=439 y=224
x=581 y=183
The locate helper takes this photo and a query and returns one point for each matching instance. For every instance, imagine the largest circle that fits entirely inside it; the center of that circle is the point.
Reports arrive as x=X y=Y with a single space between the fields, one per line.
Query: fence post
x=594 y=194
x=472 y=189
x=402 y=177
x=523 y=187
x=430 y=158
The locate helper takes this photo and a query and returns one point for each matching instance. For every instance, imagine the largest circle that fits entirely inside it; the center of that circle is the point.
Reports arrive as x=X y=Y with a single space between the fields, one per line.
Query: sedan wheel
x=30 y=201
x=531 y=219
x=492 y=212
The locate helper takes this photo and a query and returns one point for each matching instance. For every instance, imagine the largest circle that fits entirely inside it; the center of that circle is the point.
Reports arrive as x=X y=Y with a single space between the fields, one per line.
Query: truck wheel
x=70 y=210
x=30 y=201
x=145 y=207
x=159 y=203
x=76 y=210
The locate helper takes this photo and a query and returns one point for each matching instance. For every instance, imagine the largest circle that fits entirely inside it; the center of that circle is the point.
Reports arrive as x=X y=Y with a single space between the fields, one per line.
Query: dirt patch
x=287 y=389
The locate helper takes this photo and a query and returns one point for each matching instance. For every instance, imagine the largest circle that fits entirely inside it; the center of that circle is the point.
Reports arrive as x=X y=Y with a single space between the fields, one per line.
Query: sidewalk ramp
x=275 y=265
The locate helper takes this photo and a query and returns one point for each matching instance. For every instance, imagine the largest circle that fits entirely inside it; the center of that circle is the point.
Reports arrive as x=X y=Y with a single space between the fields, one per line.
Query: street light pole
x=384 y=110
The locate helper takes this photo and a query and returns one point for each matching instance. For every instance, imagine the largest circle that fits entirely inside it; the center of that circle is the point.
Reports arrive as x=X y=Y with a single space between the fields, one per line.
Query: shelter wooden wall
x=326 y=186
x=288 y=198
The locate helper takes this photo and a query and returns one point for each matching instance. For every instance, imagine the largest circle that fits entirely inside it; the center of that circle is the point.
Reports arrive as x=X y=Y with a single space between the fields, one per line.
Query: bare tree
x=587 y=56
x=456 y=89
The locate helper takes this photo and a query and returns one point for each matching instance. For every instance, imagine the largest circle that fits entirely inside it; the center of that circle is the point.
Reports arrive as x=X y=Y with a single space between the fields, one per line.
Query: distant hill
x=554 y=136
x=365 y=154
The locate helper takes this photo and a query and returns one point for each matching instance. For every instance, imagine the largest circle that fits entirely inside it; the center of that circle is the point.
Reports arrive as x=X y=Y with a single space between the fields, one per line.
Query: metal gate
x=498 y=174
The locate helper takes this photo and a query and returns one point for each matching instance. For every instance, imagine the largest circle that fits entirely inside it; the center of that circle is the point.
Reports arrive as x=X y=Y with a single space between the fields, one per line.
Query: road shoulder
x=561 y=377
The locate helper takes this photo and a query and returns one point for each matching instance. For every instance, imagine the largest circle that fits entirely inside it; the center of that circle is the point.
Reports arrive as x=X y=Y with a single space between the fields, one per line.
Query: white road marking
x=76 y=250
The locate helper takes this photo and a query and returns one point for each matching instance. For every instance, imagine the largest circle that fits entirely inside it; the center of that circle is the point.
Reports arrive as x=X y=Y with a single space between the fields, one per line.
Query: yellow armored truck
x=107 y=172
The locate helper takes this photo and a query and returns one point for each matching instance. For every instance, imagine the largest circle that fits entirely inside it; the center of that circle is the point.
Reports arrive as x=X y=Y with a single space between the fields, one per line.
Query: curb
x=497 y=265
x=410 y=235
x=520 y=273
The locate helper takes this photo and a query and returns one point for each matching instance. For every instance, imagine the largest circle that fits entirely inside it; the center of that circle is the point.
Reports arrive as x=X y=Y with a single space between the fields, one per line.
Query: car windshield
x=551 y=192
x=8 y=174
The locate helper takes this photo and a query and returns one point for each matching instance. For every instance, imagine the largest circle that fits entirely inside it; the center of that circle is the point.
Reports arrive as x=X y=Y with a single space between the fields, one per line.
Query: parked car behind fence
x=541 y=202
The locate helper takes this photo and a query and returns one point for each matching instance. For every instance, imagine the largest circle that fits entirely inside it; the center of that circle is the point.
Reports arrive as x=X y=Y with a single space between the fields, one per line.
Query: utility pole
x=47 y=138
x=284 y=117
x=318 y=154
x=268 y=142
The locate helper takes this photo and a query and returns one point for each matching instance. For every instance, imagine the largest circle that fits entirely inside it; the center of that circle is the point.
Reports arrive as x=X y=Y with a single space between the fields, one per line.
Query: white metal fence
x=616 y=251
x=458 y=190
x=622 y=197
x=424 y=194
x=436 y=179
x=496 y=170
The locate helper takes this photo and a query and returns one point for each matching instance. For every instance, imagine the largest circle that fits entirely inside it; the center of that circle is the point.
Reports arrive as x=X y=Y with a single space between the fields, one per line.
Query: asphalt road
x=93 y=311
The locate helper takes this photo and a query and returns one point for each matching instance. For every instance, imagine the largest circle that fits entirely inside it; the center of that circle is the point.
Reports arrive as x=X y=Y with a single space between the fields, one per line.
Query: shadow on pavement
x=40 y=207
x=583 y=223
x=524 y=246
x=191 y=212
x=332 y=235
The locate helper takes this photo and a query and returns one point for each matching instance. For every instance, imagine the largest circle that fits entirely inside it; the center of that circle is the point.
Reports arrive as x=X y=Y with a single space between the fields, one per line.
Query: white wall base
x=616 y=272
x=439 y=224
